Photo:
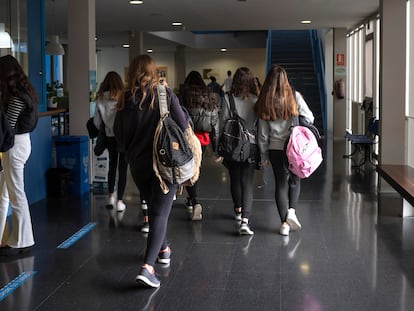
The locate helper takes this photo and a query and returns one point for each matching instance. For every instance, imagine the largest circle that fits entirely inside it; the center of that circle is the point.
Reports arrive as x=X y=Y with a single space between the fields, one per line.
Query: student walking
x=276 y=106
x=226 y=86
x=244 y=92
x=105 y=111
x=135 y=123
x=203 y=107
x=18 y=100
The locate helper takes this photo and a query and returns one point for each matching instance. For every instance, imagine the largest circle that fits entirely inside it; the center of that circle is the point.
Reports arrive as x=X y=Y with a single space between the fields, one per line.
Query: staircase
x=293 y=50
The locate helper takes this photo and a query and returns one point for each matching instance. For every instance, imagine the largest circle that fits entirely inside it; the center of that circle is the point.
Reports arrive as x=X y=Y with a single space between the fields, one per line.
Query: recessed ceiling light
x=306 y=21
x=125 y=45
x=177 y=23
x=149 y=51
x=136 y=2
x=223 y=50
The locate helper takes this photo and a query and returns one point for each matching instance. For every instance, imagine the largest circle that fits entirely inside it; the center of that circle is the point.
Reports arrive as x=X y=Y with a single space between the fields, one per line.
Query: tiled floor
x=353 y=253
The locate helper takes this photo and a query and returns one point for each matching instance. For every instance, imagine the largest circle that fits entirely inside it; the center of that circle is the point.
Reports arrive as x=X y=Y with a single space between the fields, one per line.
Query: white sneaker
x=120 y=206
x=284 y=229
x=245 y=229
x=292 y=220
x=197 y=209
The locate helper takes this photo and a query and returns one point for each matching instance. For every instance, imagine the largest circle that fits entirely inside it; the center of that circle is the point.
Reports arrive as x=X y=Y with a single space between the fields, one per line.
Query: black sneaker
x=188 y=205
x=147 y=278
x=164 y=256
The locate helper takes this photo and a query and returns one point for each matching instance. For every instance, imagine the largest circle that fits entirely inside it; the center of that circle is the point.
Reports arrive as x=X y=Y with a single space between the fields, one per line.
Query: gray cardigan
x=273 y=134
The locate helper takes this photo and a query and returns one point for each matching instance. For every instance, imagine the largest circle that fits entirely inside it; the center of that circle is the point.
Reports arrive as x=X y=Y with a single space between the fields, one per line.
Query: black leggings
x=116 y=160
x=192 y=190
x=159 y=208
x=287 y=186
x=241 y=185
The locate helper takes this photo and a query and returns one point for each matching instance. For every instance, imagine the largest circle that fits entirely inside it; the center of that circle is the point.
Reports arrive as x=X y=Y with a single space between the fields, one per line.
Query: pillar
x=392 y=82
x=136 y=44
x=81 y=60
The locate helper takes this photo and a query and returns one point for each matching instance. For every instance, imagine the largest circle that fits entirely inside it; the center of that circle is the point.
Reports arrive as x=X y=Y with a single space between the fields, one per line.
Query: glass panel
x=14 y=17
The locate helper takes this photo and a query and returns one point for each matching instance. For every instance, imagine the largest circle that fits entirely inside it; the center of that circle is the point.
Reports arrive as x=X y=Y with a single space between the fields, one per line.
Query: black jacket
x=6 y=133
x=134 y=128
x=28 y=118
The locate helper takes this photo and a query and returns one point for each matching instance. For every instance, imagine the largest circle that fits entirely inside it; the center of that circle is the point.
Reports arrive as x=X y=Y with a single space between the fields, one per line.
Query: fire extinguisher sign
x=340 y=59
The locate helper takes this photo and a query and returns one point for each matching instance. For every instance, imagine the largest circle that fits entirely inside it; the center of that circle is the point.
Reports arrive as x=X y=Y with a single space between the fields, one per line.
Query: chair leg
x=355 y=149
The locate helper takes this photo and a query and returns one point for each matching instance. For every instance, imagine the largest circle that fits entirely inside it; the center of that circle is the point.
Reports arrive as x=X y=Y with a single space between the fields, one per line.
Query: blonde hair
x=142 y=75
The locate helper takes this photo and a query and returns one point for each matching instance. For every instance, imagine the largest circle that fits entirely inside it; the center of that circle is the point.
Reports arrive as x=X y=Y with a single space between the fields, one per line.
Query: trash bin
x=72 y=152
x=57 y=182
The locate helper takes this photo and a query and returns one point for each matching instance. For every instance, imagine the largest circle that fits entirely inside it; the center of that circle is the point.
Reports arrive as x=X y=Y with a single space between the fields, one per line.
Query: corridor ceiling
x=116 y=18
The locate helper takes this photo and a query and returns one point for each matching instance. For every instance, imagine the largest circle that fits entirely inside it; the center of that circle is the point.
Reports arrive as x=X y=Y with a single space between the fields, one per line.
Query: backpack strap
x=232 y=105
x=162 y=100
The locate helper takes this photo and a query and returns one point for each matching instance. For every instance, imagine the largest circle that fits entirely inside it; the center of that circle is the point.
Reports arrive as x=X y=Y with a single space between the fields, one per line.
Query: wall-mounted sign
x=340 y=59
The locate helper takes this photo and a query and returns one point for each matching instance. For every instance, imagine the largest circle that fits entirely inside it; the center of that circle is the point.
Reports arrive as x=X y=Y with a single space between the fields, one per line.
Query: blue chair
x=362 y=143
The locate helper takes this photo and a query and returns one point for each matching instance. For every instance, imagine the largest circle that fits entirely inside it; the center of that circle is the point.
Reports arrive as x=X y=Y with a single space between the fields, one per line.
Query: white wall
x=339 y=105
x=329 y=68
x=116 y=59
x=254 y=59
x=111 y=59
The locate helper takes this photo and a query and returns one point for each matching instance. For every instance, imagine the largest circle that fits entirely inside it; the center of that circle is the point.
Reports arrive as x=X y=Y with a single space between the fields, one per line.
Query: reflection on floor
x=353 y=253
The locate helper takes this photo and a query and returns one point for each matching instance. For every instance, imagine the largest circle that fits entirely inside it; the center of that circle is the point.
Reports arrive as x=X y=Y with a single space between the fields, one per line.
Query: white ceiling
x=115 y=18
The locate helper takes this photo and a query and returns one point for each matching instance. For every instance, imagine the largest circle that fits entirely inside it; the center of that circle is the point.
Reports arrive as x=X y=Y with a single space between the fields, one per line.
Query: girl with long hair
x=276 y=106
x=135 y=123
x=105 y=111
x=244 y=92
x=18 y=100
x=203 y=107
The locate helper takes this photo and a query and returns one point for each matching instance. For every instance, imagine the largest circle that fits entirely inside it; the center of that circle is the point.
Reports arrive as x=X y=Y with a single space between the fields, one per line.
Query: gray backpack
x=173 y=160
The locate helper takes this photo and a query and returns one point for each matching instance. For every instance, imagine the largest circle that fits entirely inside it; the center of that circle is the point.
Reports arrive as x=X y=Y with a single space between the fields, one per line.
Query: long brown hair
x=276 y=99
x=13 y=81
x=112 y=83
x=142 y=75
x=195 y=93
x=244 y=83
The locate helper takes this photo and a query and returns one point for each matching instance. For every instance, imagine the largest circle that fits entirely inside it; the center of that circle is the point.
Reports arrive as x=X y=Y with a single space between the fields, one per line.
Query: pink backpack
x=303 y=152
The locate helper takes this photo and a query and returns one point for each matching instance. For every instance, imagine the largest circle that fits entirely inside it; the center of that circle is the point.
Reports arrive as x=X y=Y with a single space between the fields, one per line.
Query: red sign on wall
x=340 y=59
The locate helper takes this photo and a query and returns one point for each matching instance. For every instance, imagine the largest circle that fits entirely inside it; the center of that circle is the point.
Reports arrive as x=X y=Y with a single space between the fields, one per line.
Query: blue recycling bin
x=72 y=152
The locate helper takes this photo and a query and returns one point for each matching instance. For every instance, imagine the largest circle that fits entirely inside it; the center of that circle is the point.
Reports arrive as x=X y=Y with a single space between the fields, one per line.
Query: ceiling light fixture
x=136 y=2
x=125 y=46
x=149 y=51
x=305 y=21
x=5 y=40
x=54 y=47
x=177 y=23
x=223 y=50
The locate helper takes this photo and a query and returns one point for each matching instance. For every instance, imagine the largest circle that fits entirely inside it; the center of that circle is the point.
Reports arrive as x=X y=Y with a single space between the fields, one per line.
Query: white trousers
x=12 y=191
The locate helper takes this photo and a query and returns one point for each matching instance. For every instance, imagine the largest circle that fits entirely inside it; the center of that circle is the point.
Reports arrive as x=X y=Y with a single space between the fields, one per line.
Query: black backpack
x=173 y=160
x=234 y=141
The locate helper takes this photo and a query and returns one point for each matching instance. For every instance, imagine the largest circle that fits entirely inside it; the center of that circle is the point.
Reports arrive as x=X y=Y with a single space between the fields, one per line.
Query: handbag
x=100 y=145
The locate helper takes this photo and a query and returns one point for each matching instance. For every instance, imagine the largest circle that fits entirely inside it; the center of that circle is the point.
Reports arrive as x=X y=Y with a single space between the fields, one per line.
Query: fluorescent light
x=136 y=2
x=306 y=21
x=5 y=40
x=125 y=45
x=223 y=50
x=149 y=51
x=177 y=23
x=54 y=47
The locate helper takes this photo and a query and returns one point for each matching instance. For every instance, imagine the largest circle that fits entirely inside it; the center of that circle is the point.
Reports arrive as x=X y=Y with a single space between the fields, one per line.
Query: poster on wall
x=208 y=72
